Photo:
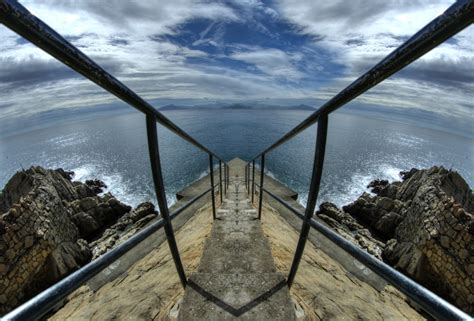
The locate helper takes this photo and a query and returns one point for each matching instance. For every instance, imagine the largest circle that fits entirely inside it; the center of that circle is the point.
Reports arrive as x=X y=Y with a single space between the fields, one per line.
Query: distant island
x=235 y=106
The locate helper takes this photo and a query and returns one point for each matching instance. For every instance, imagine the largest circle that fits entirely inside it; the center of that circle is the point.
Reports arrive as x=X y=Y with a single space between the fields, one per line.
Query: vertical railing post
x=248 y=179
x=225 y=178
x=262 y=175
x=253 y=179
x=245 y=178
x=213 y=196
x=312 y=195
x=220 y=179
x=228 y=177
x=154 y=153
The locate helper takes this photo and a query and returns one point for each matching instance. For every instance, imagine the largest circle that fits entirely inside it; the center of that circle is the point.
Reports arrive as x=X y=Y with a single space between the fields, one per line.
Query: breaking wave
x=348 y=190
x=118 y=186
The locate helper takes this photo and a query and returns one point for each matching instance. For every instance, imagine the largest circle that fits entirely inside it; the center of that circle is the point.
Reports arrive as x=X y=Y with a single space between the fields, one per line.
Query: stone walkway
x=237 y=279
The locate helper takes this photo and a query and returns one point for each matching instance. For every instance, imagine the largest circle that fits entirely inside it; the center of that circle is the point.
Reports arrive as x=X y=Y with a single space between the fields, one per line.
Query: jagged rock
x=427 y=225
x=93 y=214
x=124 y=228
x=40 y=240
x=96 y=185
x=407 y=174
x=86 y=224
x=349 y=228
x=45 y=221
x=369 y=209
x=378 y=185
x=434 y=234
x=383 y=188
x=387 y=223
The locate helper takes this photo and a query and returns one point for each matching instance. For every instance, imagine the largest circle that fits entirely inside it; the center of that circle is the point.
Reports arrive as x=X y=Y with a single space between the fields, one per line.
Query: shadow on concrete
x=232 y=310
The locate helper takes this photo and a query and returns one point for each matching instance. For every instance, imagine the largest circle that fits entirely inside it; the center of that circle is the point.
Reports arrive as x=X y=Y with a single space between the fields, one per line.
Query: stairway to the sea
x=237 y=278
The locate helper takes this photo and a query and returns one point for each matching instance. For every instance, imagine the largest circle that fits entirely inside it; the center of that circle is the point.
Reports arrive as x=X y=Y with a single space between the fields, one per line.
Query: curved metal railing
x=457 y=17
x=20 y=20
x=16 y=17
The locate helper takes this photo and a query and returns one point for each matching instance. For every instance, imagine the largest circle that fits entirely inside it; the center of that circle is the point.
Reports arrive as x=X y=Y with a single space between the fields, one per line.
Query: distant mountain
x=238 y=106
x=305 y=107
x=172 y=107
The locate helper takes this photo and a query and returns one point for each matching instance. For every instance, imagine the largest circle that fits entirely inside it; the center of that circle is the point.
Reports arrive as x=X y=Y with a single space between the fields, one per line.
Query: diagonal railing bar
x=226 y=171
x=45 y=301
x=245 y=177
x=248 y=179
x=453 y=20
x=253 y=179
x=430 y=302
x=457 y=17
x=20 y=20
x=16 y=17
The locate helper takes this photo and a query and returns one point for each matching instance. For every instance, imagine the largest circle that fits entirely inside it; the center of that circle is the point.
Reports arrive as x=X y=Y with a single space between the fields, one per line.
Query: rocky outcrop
x=423 y=226
x=348 y=227
x=124 y=228
x=51 y=226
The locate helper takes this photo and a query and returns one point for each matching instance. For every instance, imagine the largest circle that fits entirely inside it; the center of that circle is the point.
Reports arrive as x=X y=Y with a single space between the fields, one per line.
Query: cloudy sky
x=236 y=50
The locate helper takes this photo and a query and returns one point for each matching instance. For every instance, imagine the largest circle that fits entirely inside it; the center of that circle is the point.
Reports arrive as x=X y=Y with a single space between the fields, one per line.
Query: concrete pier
x=237 y=278
x=232 y=274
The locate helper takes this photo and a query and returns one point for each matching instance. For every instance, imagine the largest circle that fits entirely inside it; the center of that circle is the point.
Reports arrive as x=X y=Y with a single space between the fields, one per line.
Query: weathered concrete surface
x=237 y=278
x=150 y=289
x=153 y=242
x=317 y=239
x=323 y=289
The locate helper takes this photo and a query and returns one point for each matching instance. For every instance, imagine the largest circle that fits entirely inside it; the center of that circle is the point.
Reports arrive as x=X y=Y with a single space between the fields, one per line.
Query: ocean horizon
x=111 y=146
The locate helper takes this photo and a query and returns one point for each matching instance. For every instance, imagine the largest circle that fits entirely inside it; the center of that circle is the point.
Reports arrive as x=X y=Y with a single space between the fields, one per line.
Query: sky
x=248 y=50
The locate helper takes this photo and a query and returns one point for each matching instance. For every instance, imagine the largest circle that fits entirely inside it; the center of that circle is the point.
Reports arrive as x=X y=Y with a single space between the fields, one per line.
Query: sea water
x=113 y=148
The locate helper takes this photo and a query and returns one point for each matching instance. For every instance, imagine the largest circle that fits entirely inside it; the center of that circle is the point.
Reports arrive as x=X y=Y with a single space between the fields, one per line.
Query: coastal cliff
x=51 y=226
x=423 y=226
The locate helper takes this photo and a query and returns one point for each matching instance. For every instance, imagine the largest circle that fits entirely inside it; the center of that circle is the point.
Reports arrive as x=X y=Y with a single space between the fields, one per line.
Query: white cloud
x=126 y=38
x=360 y=33
x=141 y=18
x=273 y=62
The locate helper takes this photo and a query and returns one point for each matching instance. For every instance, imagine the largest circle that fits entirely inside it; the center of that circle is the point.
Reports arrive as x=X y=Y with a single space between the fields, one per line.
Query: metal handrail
x=20 y=20
x=16 y=17
x=457 y=17
x=46 y=300
x=429 y=301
